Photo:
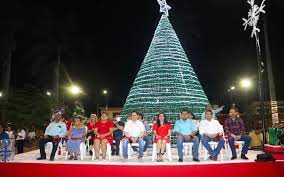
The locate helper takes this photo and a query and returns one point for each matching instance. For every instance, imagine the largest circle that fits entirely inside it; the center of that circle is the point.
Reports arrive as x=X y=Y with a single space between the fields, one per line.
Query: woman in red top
x=103 y=135
x=162 y=132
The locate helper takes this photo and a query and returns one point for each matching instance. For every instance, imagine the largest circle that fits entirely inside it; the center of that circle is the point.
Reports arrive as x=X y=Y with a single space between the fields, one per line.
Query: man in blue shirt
x=53 y=133
x=3 y=134
x=185 y=131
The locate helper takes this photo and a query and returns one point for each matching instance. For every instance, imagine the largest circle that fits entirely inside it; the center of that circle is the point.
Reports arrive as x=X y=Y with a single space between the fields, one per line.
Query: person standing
x=53 y=133
x=185 y=130
x=3 y=134
x=214 y=111
x=235 y=130
x=20 y=140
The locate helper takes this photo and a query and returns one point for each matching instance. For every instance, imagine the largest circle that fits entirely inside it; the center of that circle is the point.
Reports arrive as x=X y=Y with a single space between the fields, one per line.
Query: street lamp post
x=231 y=90
x=105 y=92
x=246 y=85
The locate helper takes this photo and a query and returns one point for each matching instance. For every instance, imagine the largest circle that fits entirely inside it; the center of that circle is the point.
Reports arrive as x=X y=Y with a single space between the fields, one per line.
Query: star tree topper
x=253 y=17
x=164 y=7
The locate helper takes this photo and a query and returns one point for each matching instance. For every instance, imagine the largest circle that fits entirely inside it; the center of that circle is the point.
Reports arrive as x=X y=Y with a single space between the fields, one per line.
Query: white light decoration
x=166 y=82
x=253 y=17
x=164 y=7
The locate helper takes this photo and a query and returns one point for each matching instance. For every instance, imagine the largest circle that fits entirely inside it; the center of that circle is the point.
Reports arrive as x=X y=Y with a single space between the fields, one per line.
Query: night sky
x=104 y=43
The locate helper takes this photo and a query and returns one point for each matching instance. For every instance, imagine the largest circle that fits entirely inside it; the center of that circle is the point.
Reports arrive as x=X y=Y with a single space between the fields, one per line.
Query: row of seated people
x=185 y=129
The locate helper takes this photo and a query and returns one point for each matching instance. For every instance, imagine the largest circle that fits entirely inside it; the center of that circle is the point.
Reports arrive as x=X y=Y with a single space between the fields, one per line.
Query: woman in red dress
x=103 y=135
x=162 y=132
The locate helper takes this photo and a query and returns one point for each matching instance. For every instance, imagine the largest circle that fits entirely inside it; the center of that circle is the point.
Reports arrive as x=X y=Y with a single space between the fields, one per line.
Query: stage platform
x=27 y=165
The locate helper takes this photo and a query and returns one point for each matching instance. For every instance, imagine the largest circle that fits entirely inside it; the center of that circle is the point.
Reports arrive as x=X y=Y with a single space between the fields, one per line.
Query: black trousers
x=42 y=143
x=20 y=146
x=115 y=146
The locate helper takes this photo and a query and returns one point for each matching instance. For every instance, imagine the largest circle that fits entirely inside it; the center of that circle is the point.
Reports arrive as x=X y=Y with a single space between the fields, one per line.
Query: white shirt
x=21 y=135
x=11 y=134
x=210 y=127
x=134 y=129
x=32 y=135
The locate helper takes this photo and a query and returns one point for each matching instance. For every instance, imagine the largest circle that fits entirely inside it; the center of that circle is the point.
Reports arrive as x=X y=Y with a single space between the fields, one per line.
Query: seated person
x=134 y=131
x=117 y=135
x=235 y=130
x=185 y=131
x=53 y=133
x=256 y=139
x=211 y=130
x=103 y=135
x=76 y=137
x=91 y=127
x=162 y=131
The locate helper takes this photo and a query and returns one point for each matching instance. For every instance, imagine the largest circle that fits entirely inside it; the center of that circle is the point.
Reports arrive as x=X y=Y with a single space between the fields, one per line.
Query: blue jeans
x=205 y=141
x=181 y=140
x=125 y=147
x=148 y=140
x=244 y=138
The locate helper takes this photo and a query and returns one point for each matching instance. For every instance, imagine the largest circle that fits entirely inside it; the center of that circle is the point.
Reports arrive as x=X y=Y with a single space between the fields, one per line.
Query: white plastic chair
x=187 y=148
x=240 y=148
x=168 y=151
x=108 y=152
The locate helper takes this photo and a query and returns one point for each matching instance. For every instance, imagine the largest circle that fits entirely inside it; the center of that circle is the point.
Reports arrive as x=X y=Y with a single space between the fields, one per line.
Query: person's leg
x=163 y=148
x=205 y=141
x=148 y=140
x=195 y=147
x=180 y=141
x=117 y=144
x=247 y=140
x=141 y=143
x=53 y=151
x=42 y=143
x=21 y=146
x=97 y=143
x=219 y=147
x=232 y=146
x=104 y=148
x=159 y=146
x=125 y=147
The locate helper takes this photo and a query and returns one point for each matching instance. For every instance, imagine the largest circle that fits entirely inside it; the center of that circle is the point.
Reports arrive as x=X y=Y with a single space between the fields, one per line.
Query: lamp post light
x=232 y=88
x=246 y=84
x=105 y=92
x=75 y=90
x=48 y=93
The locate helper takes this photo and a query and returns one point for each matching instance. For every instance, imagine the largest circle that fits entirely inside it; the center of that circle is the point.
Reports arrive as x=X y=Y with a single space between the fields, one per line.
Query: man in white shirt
x=211 y=130
x=214 y=111
x=20 y=140
x=134 y=131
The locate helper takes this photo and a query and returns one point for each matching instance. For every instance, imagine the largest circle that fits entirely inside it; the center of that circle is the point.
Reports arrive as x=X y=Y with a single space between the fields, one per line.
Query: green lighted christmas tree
x=166 y=81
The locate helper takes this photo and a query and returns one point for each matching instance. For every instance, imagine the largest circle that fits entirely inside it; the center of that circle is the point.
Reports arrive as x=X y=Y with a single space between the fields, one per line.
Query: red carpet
x=275 y=169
